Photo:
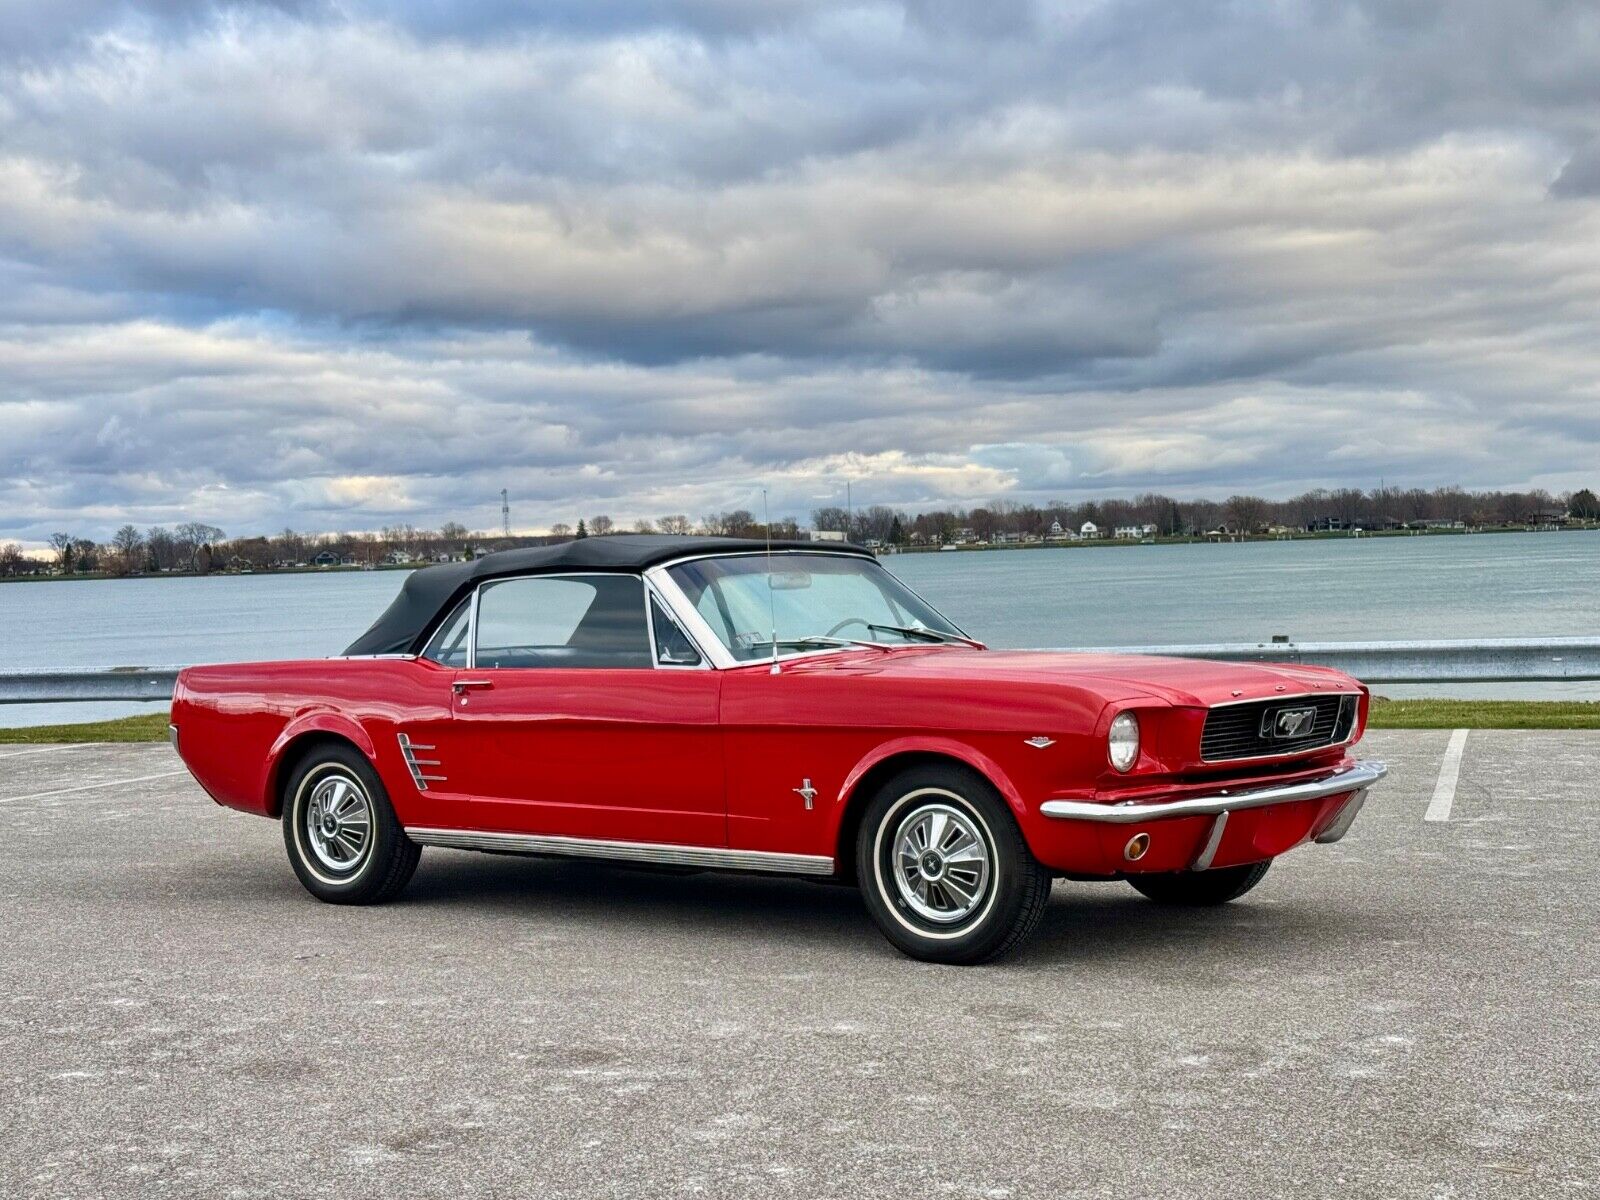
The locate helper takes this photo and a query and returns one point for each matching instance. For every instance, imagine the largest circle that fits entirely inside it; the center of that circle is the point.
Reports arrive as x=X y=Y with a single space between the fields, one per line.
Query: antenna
x=772 y=595
x=505 y=513
x=849 y=514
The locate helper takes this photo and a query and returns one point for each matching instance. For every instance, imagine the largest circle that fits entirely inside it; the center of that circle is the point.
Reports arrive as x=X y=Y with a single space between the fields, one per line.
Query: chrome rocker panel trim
x=1352 y=779
x=641 y=852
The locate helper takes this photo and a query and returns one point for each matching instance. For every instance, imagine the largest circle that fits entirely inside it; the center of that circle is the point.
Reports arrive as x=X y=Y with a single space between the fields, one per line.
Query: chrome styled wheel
x=338 y=823
x=344 y=840
x=942 y=864
x=944 y=868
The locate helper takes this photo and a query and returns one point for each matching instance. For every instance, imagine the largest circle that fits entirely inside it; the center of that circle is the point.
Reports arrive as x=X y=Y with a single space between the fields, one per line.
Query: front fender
x=943 y=746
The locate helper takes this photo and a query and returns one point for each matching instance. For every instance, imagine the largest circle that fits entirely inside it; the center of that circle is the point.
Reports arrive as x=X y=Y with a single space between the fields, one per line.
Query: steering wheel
x=846 y=623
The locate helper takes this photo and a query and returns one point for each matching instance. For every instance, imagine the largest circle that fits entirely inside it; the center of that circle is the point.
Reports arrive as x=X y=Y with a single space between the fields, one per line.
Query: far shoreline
x=883 y=552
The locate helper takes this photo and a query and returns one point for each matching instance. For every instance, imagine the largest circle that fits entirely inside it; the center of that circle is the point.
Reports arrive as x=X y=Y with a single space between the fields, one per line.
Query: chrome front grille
x=1268 y=728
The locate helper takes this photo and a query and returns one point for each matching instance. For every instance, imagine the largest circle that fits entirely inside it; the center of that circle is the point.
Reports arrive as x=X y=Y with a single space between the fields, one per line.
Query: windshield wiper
x=820 y=639
x=931 y=635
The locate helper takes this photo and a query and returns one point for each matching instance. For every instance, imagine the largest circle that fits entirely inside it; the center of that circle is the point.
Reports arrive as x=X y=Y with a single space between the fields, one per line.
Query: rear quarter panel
x=238 y=722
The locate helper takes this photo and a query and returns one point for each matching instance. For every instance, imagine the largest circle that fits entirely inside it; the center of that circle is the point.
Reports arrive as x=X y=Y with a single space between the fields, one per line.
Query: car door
x=579 y=715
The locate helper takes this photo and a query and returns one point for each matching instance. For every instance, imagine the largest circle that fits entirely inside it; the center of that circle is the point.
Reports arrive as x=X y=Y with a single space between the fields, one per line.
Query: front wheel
x=944 y=869
x=1200 y=889
x=342 y=836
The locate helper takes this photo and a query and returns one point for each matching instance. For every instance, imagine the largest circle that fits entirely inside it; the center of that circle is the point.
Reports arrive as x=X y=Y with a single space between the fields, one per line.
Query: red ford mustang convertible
x=716 y=703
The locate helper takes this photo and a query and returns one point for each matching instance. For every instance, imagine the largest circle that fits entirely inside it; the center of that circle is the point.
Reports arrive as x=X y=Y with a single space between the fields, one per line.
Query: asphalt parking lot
x=1412 y=1012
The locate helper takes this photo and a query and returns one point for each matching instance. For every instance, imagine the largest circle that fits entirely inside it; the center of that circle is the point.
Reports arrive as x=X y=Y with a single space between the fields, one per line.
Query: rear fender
x=321 y=721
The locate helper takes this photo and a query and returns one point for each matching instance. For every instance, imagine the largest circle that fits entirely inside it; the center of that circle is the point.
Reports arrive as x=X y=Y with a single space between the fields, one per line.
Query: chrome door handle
x=461 y=685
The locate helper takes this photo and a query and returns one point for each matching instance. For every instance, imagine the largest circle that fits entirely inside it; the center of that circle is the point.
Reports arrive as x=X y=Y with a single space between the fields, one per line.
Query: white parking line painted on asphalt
x=1444 y=792
x=54 y=749
x=89 y=787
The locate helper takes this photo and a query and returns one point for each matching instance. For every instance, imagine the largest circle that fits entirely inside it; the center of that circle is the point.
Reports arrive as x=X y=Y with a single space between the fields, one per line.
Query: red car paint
x=721 y=758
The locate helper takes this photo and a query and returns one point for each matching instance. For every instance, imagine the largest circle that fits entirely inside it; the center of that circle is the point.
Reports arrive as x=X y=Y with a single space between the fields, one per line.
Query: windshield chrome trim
x=720 y=657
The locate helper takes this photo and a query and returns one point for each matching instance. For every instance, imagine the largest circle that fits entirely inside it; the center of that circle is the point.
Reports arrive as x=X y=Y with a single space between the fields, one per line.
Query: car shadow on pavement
x=1084 y=923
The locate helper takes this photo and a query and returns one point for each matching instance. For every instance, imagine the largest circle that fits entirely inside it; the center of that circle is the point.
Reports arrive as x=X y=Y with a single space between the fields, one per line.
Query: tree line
x=1343 y=508
x=198 y=548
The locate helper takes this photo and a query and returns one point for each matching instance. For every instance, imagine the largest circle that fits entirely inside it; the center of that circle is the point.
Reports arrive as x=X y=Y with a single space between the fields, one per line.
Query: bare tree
x=561 y=530
x=1246 y=514
x=128 y=541
x=741 y=522
x=62 y=544
x=601 y=524
x=644 y=525
x=675 y=523
x=194 y=537
x=833 y=518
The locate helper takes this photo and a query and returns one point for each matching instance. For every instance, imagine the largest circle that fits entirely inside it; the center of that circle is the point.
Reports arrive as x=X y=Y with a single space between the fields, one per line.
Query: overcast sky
x=340 y=264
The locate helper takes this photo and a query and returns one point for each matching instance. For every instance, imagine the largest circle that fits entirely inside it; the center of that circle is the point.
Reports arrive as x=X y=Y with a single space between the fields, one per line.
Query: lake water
x=1490 y=585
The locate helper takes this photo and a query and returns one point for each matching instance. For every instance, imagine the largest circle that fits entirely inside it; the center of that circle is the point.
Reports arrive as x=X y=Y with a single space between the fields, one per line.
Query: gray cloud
x=346 y=262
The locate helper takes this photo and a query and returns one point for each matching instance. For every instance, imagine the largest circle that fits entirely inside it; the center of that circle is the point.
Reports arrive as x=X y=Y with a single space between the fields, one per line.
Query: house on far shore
x=827 y=535
x=1134 y=532
x=326 y=559
x=1058 y=534
x=1088 y=530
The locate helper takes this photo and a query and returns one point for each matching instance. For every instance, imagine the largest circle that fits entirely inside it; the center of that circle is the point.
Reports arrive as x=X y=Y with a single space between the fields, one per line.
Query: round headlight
x=1123 y=741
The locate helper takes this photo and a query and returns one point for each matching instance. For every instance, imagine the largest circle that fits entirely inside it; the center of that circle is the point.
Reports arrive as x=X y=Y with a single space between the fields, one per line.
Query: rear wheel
x=342 y=836
x=1199 y=889
x=944 y=869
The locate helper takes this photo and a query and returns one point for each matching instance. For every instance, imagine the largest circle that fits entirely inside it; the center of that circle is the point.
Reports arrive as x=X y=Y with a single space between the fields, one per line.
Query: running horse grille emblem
x=1282 y=724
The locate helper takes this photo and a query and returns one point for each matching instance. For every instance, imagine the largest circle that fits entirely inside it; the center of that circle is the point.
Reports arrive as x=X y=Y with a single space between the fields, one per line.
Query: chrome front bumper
x=1356 y=778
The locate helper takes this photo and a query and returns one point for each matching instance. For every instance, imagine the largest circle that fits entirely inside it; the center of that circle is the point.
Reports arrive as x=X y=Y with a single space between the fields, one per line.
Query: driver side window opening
x=594 y=621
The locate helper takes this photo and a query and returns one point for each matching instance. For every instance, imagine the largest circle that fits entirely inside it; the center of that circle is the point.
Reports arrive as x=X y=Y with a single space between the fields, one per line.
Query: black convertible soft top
x=430 y=593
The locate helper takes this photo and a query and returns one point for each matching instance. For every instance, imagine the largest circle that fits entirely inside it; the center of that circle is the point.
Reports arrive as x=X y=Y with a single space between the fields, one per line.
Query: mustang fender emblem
x=806 y=792
x=1039 y=743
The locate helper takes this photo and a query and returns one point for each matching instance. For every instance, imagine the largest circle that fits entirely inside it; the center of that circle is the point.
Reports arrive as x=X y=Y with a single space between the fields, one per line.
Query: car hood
x=1178 y=681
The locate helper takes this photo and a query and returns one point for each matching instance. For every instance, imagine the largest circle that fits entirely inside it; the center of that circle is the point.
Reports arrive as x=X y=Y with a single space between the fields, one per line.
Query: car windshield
x=808 y=602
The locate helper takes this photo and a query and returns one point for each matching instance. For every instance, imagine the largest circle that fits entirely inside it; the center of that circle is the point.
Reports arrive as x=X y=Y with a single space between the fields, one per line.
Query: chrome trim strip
x=1352 y=779
x=645 y=852
x=1275 y=697
x=408 y=750
x=1208 y=852
x=1342 y=822
x=172 y=735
